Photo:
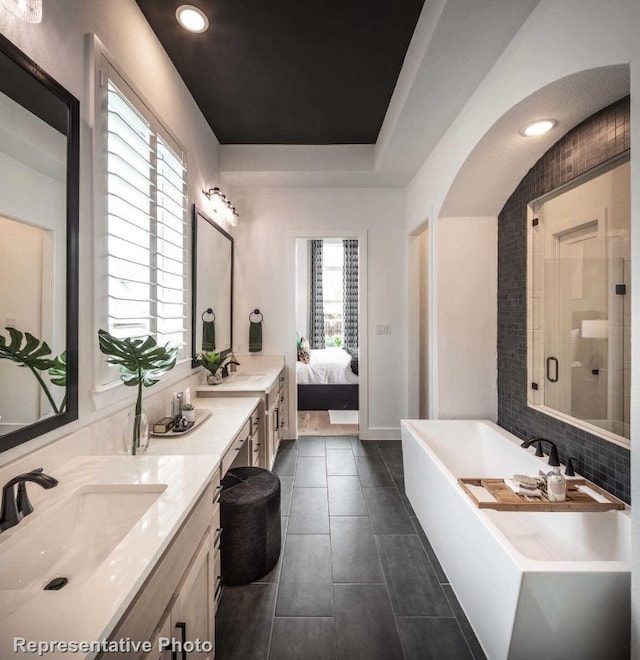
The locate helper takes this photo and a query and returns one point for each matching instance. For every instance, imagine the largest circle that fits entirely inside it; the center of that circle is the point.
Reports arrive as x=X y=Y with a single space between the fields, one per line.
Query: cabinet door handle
x=183 y=628
x=216 y=540
x=216 y=496
x=218 y=589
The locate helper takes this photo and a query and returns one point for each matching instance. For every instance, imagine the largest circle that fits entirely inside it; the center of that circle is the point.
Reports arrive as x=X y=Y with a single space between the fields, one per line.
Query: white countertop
x=255 y=374
x=215 y=434
x=90 y=609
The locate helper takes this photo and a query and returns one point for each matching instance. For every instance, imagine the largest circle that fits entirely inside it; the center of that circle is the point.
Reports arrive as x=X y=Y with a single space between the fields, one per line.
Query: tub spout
x=553 y=452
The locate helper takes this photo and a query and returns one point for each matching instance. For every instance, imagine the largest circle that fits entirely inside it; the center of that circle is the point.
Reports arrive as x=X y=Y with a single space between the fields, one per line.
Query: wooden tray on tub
x=507 y=500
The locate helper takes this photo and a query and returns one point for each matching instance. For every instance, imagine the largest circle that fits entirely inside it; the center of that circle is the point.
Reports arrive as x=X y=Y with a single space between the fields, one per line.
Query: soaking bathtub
x=539 y=586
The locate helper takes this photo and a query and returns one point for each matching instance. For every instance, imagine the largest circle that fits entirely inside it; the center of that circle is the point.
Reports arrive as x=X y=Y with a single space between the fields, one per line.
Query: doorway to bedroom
x=327 y=336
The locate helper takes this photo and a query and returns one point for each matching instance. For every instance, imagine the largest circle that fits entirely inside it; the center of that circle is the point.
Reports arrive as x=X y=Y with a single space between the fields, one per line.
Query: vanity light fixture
x=191 y=18
x=538 y=128
x=29 y=11
x=222 y=207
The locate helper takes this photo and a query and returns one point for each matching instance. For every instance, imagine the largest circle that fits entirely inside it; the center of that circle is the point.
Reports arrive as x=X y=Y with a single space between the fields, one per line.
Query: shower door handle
x=553 y=360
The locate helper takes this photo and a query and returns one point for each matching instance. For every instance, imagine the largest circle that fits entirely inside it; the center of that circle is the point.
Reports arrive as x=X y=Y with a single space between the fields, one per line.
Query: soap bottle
x=556 y=485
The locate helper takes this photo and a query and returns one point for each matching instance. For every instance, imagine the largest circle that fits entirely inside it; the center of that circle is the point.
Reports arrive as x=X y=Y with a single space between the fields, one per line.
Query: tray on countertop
x=201 y=416
x=507 y=500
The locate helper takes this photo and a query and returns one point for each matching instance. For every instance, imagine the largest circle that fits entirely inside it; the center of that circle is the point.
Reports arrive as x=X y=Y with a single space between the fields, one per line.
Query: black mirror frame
x=194 y=280
x=70 y=414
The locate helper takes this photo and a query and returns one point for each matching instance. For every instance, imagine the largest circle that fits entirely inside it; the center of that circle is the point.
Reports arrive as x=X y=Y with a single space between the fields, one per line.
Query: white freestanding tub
x=539 y=586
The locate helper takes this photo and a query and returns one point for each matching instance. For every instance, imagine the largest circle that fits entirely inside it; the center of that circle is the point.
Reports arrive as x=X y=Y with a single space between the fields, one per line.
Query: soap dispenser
x=556 y=483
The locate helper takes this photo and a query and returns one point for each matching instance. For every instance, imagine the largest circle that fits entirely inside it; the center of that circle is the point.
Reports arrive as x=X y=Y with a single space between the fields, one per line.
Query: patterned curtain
x=316 y=302
x=350 y=293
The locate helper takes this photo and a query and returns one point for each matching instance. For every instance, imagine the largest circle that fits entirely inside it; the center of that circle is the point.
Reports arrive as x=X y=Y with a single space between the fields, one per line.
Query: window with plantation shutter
x=144 y=247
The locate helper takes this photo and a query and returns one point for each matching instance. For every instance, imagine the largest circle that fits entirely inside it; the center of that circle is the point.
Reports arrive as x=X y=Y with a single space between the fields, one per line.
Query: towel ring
x=256 y=312
x=208 y=311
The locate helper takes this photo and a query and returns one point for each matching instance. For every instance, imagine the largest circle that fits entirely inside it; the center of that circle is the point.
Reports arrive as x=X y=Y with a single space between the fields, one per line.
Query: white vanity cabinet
x=179 y=599
x=271 y=418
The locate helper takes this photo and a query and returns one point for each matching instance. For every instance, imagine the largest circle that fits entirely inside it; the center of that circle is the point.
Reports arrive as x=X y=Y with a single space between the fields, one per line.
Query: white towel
x=519 y=490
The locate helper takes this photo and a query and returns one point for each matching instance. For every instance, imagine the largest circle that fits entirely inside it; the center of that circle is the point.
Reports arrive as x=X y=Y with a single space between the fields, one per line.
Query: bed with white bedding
x=327 y=381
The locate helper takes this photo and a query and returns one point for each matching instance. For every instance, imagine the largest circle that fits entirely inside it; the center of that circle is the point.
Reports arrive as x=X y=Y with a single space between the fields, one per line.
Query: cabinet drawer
x=273 y=394
x=238 y=445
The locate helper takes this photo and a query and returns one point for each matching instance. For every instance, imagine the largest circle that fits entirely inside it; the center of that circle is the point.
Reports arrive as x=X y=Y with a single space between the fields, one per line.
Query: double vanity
x=135 y=540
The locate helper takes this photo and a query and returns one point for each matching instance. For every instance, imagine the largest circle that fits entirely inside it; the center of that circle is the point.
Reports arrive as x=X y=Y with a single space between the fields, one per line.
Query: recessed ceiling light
x=538 y=128
x=191 y=18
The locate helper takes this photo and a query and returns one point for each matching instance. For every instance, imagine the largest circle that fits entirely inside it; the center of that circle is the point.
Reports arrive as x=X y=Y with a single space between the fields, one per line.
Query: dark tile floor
x=357 y=578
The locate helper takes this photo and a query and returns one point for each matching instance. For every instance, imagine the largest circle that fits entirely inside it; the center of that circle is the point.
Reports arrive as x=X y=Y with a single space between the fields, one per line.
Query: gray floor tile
x=338 y=443
x=387 y=512
x=311 y=472
x=465 y=626
x=364 y=447
x=285 y=463
x=372 y=471
x=437 y=567
x=309 y=512
x=365 y=626
x=340 y=463
x=306 y=588
x=302 y=638
x=235 y=640
x=286 y=490
x=399 y=482
x=432 y=639
x=391 y=452
x=354 y=553
x=345 y=497
x=311 y=446
x=413 y=586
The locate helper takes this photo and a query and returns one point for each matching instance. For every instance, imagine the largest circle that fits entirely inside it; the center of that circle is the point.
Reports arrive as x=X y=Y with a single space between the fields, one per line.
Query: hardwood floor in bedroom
x=357 y=578
x=317 y=422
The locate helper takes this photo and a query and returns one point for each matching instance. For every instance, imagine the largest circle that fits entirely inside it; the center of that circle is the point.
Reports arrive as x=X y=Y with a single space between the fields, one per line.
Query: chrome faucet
x=15 y=508
x=553 y=452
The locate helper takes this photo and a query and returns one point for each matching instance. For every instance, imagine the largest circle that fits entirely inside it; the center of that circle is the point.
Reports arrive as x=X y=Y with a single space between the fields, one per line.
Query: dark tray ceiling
x=296 y=72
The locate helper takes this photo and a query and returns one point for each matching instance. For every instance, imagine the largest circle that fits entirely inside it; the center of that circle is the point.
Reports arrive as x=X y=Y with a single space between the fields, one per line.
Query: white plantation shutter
x=146 y=205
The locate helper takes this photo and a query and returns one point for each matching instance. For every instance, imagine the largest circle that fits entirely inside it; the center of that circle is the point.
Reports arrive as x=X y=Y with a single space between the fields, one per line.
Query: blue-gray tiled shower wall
x=590 y=144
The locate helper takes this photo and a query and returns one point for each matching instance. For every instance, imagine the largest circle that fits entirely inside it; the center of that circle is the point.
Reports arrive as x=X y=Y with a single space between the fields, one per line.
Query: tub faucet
x=15 y=508
x=553 y=452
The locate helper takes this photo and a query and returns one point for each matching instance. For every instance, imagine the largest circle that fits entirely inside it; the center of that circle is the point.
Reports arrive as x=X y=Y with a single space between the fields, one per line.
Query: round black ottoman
x=250 y=521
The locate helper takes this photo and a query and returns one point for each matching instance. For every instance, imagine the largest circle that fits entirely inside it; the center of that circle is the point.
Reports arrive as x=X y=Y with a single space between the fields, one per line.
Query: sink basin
x=75 y=537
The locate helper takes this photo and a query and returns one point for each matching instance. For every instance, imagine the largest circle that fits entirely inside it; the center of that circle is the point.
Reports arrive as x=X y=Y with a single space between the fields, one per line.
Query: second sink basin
x=75 y=537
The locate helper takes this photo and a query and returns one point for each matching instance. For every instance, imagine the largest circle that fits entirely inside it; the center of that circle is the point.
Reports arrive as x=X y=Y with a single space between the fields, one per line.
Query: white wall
x=268 y=217
x=466 y=318
x=60 y=46
x=302 y=287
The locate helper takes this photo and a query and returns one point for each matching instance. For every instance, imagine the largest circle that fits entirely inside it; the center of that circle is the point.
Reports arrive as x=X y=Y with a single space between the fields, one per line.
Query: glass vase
x=136 y=434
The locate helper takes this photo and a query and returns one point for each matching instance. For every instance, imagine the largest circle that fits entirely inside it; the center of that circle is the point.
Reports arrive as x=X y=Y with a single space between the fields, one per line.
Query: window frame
x=106 y=377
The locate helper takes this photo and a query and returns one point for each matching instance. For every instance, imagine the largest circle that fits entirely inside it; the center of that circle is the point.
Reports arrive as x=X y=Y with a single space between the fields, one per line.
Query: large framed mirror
x=212 y=295
x=39 y=189
x=579 y=293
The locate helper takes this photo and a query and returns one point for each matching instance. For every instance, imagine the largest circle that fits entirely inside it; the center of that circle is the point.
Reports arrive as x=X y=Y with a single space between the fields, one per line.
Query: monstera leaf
x=141 y=361
x=58 y=370
x=26 y=350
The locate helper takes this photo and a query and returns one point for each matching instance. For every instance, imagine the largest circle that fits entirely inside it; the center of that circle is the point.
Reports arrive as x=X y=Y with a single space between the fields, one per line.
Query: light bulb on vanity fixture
x=222 y=207
x=29 y=11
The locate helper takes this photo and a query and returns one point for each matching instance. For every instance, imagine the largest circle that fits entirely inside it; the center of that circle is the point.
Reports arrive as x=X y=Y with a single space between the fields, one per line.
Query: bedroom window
x=144 y=249
x=332 y=287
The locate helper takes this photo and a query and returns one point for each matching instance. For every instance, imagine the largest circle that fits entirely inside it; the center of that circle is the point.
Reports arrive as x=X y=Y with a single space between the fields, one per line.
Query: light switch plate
x=383 y=329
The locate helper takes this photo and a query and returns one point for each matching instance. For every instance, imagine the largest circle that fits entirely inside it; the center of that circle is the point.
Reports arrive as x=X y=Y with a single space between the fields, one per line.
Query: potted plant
x=189 y=412
x=141 y=361
x=215 y=364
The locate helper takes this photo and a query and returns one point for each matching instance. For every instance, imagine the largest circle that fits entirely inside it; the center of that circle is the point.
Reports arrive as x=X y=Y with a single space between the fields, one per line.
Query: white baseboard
x=380 y=433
